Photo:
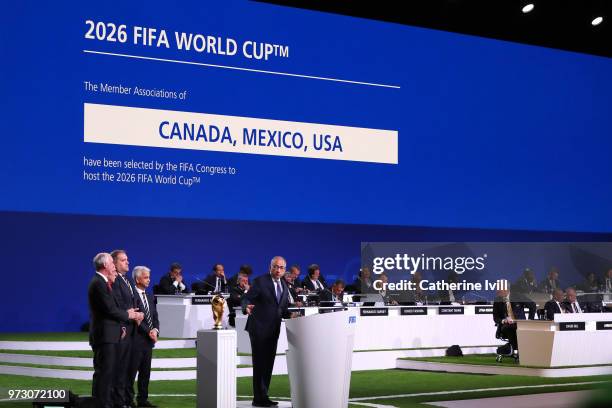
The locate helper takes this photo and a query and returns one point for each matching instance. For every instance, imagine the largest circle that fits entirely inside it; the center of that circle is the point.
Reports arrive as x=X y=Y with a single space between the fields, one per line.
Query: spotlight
x=597 y=21
x=527 y=8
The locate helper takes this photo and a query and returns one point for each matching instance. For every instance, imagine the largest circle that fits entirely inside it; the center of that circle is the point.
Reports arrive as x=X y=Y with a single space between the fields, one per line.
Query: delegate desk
x=571 y=339
x=397 y=327
x=181 y=316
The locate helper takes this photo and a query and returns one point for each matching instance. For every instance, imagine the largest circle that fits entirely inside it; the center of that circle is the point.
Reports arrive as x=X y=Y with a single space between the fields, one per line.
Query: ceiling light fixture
x=527 y=8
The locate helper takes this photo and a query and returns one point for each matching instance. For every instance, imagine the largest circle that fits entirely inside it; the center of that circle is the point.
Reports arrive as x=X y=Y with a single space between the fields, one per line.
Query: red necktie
x=109 y=287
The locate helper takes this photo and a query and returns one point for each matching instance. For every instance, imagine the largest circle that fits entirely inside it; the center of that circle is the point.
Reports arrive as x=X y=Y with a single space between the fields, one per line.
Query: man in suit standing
x=505 y=314
x=145 y=338
x=105 y=331
x=266 y=304
x=555 y=305
x=124 y=292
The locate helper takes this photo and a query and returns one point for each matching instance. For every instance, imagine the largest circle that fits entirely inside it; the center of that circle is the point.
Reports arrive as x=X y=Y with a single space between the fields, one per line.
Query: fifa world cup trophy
x=217 y=303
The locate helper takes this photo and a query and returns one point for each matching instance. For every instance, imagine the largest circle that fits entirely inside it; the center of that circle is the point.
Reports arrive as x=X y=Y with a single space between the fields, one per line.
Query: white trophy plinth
x=216 y=376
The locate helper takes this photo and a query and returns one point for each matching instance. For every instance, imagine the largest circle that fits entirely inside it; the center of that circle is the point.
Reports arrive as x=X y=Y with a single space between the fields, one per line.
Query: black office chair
x=505 y=350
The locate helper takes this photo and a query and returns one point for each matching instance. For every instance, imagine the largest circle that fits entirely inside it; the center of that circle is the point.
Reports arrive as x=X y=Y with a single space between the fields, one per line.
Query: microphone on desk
x=206 y=283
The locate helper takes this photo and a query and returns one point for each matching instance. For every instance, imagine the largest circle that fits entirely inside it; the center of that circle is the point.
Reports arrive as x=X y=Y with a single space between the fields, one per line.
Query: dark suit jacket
x=265 y=319
x=212 y=280
x=307 y=283
x=523 y=286
x=500 y=312
x=208 y=285
x=167 y=288
x=327 y=296
x=291 y=287
x=142 y=331
x=105 y=316
x=551 y=308
x=568 y=307
x=547 y=287
x=233 y=281
x=125 y=300
x=360 y=287
x=235 y=299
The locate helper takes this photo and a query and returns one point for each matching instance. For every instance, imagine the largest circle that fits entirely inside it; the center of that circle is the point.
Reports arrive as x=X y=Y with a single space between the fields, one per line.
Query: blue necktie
x=278 y=291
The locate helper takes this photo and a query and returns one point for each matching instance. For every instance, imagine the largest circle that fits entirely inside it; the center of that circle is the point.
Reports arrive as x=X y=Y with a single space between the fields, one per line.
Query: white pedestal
x=319 y=359
x=181 y=318
x=217 y=360
x=553 y=344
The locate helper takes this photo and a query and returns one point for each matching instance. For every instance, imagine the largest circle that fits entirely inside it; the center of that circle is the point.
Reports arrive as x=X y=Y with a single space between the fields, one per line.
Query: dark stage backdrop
x=47 y=261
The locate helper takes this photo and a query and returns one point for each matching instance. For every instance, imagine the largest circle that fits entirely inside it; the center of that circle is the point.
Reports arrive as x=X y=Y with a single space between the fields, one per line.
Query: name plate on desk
x=568 y=326
x=484 y=309
x=374 y=311
x=330 y=310
x=458 y=310
x=201 y=300
x=604 y=325
x=413 y=311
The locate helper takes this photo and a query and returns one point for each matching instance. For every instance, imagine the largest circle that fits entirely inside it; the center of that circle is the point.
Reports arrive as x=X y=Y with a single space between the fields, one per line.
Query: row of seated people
x=528 y=283
x=173 y=283
x=237 y=286
x=313 y=284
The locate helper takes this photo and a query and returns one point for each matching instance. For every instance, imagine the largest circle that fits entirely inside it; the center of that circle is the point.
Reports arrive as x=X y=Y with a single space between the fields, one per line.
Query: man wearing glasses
x=266 y=304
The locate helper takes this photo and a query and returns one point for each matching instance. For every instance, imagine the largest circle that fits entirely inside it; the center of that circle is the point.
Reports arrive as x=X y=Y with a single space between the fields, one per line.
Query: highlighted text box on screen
x=122 y=125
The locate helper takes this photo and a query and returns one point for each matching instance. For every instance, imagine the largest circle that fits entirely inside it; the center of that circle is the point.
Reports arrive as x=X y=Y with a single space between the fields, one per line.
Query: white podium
x=319 y=359
x=216 y=372
x=571 y=339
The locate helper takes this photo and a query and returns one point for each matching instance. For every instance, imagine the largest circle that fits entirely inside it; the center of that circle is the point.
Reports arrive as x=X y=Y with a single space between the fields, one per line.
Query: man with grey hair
x=266 y=304
x=145 y=338
x=105 y=331
x=571 y=303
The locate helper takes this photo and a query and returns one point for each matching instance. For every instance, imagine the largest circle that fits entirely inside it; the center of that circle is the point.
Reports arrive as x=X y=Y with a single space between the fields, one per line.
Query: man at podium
x=266 y=304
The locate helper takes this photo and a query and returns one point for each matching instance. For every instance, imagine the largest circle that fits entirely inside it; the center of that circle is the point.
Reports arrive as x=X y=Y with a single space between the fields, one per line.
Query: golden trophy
x=217 y=304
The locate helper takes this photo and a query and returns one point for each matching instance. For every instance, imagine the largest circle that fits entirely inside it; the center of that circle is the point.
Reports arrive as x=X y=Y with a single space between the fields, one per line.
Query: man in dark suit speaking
x=266 y=304
x=105 y=327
